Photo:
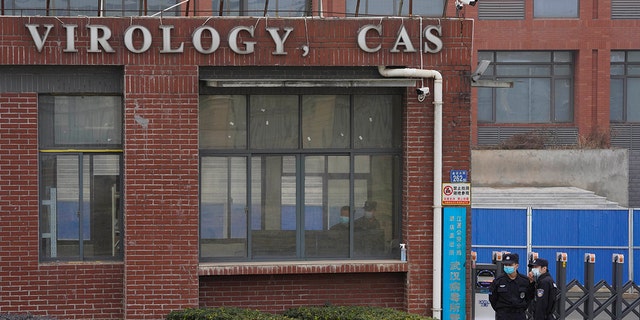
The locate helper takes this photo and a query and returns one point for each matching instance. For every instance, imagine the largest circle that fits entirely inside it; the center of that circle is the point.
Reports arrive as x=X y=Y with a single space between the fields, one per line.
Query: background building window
x=272 y=8
x=80 y=169
x=556 y=9
x=542 y=91
x=432 y=8
x=625 y=86
x=312 y=176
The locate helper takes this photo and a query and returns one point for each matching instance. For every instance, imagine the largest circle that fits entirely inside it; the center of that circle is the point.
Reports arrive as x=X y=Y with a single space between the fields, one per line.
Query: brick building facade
x=160 y=68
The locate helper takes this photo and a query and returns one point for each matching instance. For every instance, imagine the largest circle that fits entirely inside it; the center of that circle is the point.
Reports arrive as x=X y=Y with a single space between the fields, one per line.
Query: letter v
x=37 y=39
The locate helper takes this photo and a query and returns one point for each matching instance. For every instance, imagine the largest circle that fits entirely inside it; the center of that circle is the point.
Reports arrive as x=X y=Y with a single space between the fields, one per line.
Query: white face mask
x=536 y=272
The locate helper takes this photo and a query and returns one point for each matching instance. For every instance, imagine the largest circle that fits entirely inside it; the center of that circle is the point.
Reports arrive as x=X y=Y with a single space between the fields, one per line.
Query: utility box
x=483 y=276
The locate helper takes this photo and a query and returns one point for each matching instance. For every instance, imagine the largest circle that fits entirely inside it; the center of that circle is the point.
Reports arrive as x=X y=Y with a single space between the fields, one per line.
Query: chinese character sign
x=453 y=270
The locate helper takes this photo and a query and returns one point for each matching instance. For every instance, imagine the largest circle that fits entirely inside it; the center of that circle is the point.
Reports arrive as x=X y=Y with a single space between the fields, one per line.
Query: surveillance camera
x=460 y=3
x=422 y=91
x=469 y=2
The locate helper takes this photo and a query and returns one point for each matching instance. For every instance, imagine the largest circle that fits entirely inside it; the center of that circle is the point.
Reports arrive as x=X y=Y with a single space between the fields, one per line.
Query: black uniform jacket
x=544 y=298
x=510 y=297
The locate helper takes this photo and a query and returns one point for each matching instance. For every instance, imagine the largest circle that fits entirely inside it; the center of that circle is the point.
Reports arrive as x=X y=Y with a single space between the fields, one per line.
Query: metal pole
x=561 y=282
x=618 y=260
x=589 y=263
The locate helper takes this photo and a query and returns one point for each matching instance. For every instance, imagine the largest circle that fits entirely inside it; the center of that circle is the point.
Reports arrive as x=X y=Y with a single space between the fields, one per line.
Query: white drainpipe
x=437 y=173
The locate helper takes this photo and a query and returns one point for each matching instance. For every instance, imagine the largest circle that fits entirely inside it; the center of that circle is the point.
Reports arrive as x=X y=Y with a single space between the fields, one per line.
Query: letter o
x=146 y=37
x=197 y=39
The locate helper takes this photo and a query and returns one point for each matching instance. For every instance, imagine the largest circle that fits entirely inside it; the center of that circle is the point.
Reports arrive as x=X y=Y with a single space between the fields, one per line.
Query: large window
x=299 y=176
x=625 y=86
x=542 y=87
x=556 y=8
x=80 y=161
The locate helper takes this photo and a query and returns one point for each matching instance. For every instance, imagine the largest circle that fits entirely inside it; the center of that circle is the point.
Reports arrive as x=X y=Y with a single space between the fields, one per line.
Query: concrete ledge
x=302 y=267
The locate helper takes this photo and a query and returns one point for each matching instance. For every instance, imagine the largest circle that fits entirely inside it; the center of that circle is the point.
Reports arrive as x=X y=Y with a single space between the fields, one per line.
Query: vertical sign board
x=453 y=269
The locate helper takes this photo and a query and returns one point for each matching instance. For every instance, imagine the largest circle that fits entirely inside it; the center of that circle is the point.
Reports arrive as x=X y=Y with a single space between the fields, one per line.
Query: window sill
x=301 y=267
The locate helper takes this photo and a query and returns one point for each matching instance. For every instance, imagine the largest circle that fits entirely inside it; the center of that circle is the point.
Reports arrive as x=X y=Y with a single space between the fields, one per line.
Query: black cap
x=539 y=263
x=509 y=258
x=370 y=205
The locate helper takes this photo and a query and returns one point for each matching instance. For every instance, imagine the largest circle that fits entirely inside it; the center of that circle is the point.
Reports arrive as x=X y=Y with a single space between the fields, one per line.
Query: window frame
x=554 y=79
x=300 y=153
x=625 y=65
x=85 y=153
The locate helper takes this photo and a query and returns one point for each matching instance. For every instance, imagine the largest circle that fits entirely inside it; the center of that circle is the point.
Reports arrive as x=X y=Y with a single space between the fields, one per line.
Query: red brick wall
x=160 y=268
x=277 y=293
x=61 y=290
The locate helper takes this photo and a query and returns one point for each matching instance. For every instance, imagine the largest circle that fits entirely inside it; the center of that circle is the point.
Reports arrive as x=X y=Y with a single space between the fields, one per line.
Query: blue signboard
x=456 y=176
x=453 y=270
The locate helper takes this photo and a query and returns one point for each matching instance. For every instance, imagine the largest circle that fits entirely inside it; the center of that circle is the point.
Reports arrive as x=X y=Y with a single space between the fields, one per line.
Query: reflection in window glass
x=80 y=120
x=325 y=121
x=555 y=8
x=223 y=121
x=274 y=121
x=373 y=124
x=223 y=207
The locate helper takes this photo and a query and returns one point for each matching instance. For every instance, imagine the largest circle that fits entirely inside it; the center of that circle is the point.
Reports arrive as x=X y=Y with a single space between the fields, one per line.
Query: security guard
x=511 y=292
x=546 y=291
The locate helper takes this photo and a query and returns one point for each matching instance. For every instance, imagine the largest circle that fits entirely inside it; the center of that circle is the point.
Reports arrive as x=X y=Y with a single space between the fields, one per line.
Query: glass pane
x=562 y=101
x=633 y=70
x=485 y=105
x=101 y=197
x=523 y=70
x=529 y=101
x=273 y=204
x=119 y=8
x=26 y=8
x=562 y=56
x=274 y=121
x=562 y=70
x=433 y=8
x=223 y=204
x=223 y=122
x=617 y=70
x=155 y=6
x=374 y=225
x=280 y=8
x=616 y=100
x=555 y=8
x=377 y=7
x=633 y=56
x=326 y=209
x=325 y=121
x=633 y=100
x=485 y=55
x=377 y=121
x=523 y=56
x=617 y=56
x=80 y=120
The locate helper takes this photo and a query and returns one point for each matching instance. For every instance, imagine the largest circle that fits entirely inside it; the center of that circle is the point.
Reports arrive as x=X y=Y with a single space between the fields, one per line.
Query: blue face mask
x=509 y=269
x=344 y=220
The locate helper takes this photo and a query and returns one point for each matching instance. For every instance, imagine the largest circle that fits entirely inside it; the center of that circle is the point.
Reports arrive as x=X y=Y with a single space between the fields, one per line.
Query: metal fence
x=596 y=277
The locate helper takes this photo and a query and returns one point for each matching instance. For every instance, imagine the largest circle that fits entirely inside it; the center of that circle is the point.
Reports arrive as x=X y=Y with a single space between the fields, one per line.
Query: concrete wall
x=605 y=172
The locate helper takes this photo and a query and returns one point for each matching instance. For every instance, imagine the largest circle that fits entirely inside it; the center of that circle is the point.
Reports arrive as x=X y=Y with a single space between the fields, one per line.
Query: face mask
x=344 y=220
x=509 y=269
x=536 y=272
x=368 y=214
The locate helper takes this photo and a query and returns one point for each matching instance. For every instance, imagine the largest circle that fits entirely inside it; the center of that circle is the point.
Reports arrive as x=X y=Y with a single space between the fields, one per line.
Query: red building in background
x=203 y=156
